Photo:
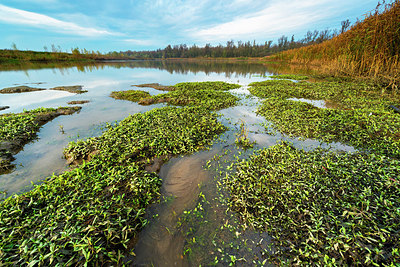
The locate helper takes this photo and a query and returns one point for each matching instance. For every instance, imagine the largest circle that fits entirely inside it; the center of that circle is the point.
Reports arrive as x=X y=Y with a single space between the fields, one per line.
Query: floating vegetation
x=131 y=95
x=321 y=207
x=210 y=95
x=290 y=77
x=18 y=129
x=19 y=89
x=375 y=131
x=362 y=118
x=345 y=95
x=92 y=213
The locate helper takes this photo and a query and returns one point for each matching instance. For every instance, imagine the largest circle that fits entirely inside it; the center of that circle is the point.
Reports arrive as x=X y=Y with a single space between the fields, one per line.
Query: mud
x=75 y=89
x=161 y=244
x=19 y=89
x=78 y=102
x=156 y=86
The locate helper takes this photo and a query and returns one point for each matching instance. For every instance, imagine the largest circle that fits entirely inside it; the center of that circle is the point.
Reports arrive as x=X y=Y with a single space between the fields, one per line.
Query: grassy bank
x=370 y=48
x=92 y=214
x=211 y=95
x=18 y=56
x=18 y=129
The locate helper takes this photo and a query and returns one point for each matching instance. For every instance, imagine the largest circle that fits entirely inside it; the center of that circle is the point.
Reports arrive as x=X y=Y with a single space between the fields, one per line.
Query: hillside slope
x=370 y=48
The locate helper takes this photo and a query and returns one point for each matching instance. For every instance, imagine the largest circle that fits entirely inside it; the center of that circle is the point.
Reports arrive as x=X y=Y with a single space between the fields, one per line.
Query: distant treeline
x=232 y=49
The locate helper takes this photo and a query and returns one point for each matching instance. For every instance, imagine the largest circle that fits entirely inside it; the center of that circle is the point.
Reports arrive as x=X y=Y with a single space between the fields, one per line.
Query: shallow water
x=43 y=157
x=160 y=243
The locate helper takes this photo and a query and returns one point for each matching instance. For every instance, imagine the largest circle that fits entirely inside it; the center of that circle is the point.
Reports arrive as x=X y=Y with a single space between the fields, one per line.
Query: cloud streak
x=22 y=17
x=277 y=18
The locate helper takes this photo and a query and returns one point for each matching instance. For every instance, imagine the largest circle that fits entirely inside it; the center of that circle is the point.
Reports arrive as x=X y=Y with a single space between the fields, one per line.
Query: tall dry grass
x=370 y=48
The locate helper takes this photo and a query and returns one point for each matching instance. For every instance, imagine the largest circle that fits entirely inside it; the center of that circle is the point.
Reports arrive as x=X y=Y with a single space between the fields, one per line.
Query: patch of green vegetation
x=375 y=131
x=209 y=95
x=91 y=214
x=242 y=138
x=209 y=99
x=219 y=86
x=344 y=95
x=321 y=207
x=18 y=129
x=290 y=77
x=131 y=95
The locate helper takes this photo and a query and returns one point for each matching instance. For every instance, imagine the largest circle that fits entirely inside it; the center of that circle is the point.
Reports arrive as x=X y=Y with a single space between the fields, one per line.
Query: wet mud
x=161 y=244
x=78 y=102
x=19 y=89
x=75 y=89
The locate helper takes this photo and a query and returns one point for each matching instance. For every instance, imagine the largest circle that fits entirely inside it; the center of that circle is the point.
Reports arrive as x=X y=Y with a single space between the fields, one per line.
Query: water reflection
x=228 y=67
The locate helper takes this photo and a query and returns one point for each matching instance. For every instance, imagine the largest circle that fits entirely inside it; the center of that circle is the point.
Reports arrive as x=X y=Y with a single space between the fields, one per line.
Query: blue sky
x=106 y=25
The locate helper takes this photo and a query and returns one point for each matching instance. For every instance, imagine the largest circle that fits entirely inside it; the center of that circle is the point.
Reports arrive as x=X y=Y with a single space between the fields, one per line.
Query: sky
x=119 y=25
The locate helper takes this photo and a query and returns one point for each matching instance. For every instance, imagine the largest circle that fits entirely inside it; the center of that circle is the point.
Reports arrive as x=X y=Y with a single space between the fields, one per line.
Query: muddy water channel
x=182 y=227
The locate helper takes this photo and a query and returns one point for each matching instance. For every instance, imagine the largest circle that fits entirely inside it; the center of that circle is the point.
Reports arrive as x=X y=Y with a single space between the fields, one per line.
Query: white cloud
x=18 y=16
x=139 y=42
x=276 y=19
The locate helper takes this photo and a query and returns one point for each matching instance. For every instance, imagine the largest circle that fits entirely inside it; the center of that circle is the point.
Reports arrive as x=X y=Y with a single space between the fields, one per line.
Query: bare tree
x=345 y=25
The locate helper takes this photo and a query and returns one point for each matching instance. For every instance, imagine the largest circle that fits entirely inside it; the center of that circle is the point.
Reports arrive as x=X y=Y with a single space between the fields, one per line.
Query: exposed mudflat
x=19 y=89
x=76 y=89
x=78 y=102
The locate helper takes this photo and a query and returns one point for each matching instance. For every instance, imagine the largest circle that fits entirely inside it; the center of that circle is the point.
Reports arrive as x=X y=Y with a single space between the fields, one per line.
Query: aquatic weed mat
x=340 y=94
x=372 y=131
x=131 y=95
x=210 y=95
x=18 y=129
x=321 y=207
x=89 y=215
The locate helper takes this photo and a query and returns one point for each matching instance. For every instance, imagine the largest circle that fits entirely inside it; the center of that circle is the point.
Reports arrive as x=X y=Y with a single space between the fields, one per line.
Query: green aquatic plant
x=131 y=95
x=290 y=77
x=339 y=94
x=374 y=131
x=18 y=129
x=210 y=95
x=91 y=214
x=321 y=207
x=242 y=138
x=218 y=86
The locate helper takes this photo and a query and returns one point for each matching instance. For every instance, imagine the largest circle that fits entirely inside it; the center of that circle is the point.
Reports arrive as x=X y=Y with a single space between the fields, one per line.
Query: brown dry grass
x=370 y=48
